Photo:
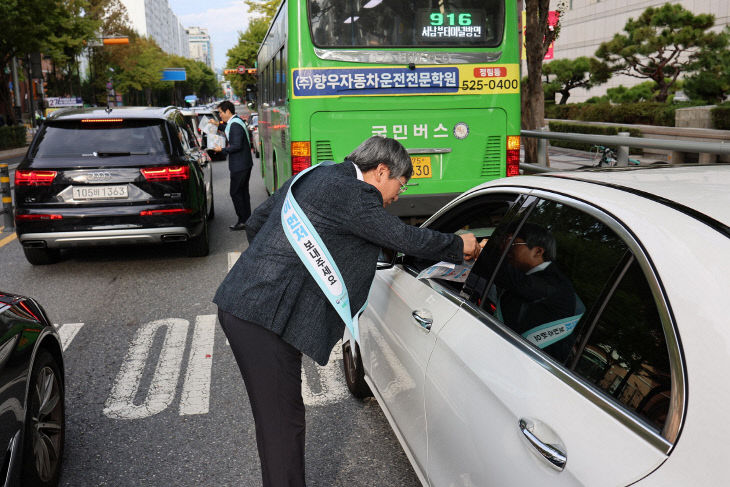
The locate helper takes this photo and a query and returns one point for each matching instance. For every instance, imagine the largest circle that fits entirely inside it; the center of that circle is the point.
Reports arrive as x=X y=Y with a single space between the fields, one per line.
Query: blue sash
x=238 y=121
x=308 y=245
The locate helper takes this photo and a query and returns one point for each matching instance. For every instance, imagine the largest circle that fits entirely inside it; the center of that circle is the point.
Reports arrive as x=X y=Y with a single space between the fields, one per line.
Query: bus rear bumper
x=423 y=205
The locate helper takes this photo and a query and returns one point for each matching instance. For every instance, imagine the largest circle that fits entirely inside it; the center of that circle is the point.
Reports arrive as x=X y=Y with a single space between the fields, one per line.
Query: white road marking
x=196 y=388
x=120 y=403
x=232 y=258
x=331 y=387
x=68 y=332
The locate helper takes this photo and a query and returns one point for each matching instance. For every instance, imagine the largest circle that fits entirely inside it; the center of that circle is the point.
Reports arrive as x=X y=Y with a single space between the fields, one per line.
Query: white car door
x=502 y=411
x=397 y=335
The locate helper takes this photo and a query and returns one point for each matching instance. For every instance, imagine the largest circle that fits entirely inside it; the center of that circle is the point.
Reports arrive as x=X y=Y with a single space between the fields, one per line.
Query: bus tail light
x=34 y=178
x=301 y=156
x=166 y=173
x=513 y=155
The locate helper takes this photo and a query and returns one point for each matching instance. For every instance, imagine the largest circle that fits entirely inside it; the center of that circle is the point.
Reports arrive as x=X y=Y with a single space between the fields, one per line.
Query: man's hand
x=471 y=246
x=217 y=148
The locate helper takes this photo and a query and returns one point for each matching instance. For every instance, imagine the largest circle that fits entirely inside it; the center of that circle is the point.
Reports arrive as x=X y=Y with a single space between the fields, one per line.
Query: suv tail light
x=34 y=178
x=38 y=216
x=171 y=211
x=513 y=155
x=166 y=173
x=301 y=157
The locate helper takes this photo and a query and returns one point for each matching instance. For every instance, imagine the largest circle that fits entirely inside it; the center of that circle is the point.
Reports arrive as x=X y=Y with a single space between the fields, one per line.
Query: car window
x=479 y=215
x=85 y=139
x=570 y=286
x=625 y=353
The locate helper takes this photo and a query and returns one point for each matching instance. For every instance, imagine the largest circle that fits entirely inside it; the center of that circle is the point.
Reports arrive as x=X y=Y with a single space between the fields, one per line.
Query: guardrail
x=621 y=142
x=7 y=200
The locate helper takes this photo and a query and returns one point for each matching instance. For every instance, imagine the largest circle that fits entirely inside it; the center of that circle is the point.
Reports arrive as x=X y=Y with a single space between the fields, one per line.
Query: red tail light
x=166 y=173
x=164 y=212
x=513 y=155
x=36 y=216
x=301 y=157
x=34 y=178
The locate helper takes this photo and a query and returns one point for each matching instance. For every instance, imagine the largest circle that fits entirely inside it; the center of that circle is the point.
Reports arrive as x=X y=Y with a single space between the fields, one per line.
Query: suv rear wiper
x=112 y=154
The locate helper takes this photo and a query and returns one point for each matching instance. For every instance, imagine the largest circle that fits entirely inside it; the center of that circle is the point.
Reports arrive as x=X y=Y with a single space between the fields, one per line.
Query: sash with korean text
x=308 y=245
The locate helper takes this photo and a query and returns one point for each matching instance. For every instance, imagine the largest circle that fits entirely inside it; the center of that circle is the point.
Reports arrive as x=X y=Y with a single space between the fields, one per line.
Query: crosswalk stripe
x=196 y=388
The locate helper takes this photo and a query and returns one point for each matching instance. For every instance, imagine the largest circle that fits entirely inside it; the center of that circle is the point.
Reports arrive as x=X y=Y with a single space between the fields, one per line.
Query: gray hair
x=390 y=152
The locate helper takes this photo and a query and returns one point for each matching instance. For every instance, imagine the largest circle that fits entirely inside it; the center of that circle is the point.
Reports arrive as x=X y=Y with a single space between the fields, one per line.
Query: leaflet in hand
x=447 y=271
x=207 y=127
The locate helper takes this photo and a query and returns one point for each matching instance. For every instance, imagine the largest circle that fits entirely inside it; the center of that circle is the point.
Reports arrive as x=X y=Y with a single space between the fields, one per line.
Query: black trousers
x=272 y=372
x=240 y=195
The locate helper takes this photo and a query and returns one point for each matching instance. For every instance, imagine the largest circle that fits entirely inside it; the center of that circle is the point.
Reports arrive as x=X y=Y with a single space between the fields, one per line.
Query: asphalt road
x=153 y=394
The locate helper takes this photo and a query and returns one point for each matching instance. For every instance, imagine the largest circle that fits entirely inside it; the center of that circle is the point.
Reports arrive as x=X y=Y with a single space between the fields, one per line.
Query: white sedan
x=588 y=345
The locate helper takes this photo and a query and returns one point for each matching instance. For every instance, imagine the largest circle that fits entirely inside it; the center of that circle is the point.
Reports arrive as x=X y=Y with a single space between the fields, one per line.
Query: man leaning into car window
x=534 y=297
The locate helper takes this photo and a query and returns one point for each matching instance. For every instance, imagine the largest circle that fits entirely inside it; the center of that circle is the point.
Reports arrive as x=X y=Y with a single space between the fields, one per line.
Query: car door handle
x=555 y=457
x=423 y=317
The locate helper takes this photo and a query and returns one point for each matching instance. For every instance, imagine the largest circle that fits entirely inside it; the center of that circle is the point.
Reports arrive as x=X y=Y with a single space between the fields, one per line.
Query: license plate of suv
x=100 y=192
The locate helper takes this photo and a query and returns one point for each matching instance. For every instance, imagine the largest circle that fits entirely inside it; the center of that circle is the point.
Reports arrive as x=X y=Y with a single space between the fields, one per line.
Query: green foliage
x=645 y=91
x=644 y=113
x=721 y=117
x=711 y=83
x=12 y=136
x=568 y=74
x=244 y=53
x=578 y=128
x=661 y=44
x=265 y=8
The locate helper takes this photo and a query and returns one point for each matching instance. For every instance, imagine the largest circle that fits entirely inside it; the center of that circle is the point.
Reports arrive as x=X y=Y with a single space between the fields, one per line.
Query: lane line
x=67 y=332
x=232 y=258
x=196 y=388
x=8 y=239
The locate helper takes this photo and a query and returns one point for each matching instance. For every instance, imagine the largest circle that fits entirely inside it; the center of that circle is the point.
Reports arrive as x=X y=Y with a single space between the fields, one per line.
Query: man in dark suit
x=532 y=289
x=240 y=163
x=272 y=310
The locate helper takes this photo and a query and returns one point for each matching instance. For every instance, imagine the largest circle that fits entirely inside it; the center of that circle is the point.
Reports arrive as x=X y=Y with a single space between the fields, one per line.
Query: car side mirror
x=386 y=259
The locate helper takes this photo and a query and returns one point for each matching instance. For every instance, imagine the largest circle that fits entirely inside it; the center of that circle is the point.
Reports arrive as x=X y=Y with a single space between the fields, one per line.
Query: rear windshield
x=101 y=139
x=398 y=23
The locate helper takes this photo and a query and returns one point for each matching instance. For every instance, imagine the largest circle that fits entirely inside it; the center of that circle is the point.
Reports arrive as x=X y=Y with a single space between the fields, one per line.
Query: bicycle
x=606 y=157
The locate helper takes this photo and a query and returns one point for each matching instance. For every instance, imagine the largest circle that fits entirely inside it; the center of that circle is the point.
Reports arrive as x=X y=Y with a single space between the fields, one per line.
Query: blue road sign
x=173 y=74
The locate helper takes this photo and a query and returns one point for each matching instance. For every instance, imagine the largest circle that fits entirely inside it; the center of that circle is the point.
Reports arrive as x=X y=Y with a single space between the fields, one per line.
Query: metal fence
x=620 y=142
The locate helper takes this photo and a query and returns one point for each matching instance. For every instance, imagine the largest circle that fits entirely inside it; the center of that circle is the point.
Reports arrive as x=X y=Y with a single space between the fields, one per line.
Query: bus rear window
x=416 y=23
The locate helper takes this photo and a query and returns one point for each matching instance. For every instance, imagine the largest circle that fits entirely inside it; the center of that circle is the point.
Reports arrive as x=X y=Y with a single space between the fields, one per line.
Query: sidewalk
x=568 y=159
x=11 y=153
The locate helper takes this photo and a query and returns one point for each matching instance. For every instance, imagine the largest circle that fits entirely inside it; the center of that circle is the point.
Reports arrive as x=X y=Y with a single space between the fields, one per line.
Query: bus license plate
x=421 y=166
x=100 y=192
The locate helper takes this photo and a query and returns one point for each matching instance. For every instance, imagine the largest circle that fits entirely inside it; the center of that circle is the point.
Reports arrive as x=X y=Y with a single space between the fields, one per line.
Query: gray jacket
x=270 y=286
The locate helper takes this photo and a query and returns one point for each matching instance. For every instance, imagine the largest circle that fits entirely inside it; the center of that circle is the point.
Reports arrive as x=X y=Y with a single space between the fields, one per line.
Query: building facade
x=588 y=23
x=200 y=46
x=155 y=19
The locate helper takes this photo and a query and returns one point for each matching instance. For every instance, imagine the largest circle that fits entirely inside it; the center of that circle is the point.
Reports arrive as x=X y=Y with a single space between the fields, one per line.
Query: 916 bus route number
x=492 y=84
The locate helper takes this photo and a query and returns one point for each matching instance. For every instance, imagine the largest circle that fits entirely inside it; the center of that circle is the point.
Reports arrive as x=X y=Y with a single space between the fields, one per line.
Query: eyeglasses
x=403 y=186
x=517 y=243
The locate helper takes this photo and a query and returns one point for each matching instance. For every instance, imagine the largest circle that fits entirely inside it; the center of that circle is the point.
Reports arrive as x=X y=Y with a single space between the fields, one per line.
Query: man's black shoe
x=238 y=226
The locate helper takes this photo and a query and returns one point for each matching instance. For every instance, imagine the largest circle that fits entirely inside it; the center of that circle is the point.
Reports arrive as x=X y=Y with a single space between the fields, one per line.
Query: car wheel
x=41 y=256
x=198 y=246
x=354 y=372
x=45 y=423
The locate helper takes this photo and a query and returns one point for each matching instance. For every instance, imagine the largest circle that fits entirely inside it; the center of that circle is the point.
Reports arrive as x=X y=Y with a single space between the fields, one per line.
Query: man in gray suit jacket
x=272 y=310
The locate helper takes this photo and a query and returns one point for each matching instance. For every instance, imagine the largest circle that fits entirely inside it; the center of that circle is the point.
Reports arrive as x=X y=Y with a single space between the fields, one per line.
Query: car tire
x=198 y=246
x=45 y=423
x=354 y=372
x=41 y=256
x=211 y=212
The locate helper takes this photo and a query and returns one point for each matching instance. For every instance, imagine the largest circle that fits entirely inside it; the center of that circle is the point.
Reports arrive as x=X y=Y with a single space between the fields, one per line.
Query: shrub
x=12 y=136
x=642 y=113
x=587 y=129
x=721 y=117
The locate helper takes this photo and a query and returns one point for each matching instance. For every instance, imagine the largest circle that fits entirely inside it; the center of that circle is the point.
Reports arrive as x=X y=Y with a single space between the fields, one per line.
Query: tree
x=661 y=44
x=568 y=74
x=538 y=37
x=263 y=8
x=244 y=53
x=711 y=82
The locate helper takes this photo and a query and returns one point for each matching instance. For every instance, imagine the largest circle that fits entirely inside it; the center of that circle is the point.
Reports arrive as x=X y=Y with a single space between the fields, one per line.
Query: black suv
x=98 y=176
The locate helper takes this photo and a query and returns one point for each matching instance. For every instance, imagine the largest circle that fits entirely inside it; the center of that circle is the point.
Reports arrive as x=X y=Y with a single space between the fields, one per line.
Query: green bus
x=440 y=76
